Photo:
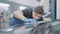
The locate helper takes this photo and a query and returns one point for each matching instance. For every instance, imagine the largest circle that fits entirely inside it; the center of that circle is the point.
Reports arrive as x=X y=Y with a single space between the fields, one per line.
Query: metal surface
x=47 y=28
x=53 y=9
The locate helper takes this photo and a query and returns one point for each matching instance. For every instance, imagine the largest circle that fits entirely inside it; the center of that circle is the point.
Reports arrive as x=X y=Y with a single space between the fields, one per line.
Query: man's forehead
x=36 y=13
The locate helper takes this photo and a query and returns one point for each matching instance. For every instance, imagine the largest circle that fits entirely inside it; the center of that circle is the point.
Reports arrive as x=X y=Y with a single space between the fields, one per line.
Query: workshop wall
x=58 y=9
x=46 y=4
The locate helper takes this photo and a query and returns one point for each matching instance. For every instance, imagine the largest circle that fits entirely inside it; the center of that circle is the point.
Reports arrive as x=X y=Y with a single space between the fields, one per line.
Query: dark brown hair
x=39 y=9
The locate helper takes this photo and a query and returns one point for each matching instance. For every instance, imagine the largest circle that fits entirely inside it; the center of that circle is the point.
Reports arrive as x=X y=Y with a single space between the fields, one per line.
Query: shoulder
x=18 y=12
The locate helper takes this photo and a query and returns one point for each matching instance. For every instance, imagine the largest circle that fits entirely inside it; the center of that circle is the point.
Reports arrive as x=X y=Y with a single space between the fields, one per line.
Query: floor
x=6 y=32
x=18 y=31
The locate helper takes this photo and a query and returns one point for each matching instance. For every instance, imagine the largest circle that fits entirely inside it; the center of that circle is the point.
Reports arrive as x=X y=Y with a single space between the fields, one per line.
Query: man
x=26 y=16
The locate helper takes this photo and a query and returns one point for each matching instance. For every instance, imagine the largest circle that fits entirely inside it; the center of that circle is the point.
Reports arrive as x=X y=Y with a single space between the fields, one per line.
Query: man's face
x=36 y=16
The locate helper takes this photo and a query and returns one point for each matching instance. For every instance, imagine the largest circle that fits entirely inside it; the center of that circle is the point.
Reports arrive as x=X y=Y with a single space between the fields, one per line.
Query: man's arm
x=19 y=15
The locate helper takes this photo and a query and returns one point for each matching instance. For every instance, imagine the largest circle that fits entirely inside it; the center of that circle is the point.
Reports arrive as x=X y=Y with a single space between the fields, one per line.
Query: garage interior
x=51 y=15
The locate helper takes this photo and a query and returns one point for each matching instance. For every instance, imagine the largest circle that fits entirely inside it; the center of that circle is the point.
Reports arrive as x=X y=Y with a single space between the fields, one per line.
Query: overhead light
x=22 y=7
x=4 y=6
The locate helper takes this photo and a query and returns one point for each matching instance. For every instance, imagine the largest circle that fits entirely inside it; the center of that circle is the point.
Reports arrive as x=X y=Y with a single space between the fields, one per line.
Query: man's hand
x=29 y=20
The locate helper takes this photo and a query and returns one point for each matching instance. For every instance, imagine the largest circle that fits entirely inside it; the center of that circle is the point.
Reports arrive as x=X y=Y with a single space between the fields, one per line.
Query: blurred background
x=7 y=7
